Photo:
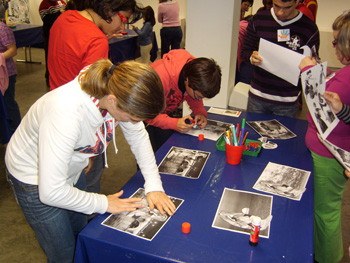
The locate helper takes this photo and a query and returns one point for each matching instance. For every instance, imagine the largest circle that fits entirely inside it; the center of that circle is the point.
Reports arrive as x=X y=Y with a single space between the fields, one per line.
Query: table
x=27 y=35
x=291 y=232
x=127 y=48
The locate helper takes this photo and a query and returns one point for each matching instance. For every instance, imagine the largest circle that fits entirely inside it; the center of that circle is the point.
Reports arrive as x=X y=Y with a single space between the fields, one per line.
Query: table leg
x=26 y=57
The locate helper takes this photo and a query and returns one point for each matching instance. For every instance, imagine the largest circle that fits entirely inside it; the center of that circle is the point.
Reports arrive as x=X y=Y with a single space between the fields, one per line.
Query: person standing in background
x=287 y=27
x=145 y=33
x=8 y=50
x=309 y=8
x=49 y=11
x=245 y=5
x=3 y=7
x=171 y=32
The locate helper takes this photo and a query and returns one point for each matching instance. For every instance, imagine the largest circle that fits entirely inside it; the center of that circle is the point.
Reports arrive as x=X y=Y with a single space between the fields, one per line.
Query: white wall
x=212 y=31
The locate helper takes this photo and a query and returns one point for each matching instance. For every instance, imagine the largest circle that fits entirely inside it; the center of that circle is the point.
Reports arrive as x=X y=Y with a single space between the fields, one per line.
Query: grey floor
x=17 y=240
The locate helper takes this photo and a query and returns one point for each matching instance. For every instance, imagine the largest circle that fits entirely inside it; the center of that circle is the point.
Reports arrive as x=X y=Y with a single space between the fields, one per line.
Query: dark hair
x=148 y=14
x=137 y=87
x=250 y=1
x=106 y=8
x=204 y=75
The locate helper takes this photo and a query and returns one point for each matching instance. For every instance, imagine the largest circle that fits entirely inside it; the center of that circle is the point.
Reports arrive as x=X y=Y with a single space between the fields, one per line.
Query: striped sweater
x=291 y=34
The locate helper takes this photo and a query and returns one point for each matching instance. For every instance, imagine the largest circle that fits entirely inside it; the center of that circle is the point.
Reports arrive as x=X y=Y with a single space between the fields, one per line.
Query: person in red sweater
x=184 y=78
x=78 y=38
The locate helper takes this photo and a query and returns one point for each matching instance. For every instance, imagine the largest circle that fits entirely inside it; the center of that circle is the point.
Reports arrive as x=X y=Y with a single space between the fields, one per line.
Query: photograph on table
x=212 y=131
x=143 y=222
x=184 y=162
x=314 y=84
x=237 y=209
x=283 y=180
x=341 y=155
x=271 y=129
x=226 y=112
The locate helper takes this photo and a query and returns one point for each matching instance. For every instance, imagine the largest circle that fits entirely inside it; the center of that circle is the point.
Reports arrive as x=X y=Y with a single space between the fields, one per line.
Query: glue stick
x=254 y=232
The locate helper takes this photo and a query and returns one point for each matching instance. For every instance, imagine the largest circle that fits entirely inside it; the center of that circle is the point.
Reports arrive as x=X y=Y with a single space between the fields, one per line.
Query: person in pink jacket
x=184 y=78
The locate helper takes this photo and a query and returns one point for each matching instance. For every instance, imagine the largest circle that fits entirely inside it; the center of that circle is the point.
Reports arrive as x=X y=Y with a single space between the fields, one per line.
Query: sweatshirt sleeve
x=251 y=43
x=55 y=152
x=164 y=122
x=344 y=114
x=138 y=139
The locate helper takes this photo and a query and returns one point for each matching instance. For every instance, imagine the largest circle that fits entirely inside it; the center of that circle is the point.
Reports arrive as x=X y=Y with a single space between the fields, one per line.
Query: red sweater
x=75 y=42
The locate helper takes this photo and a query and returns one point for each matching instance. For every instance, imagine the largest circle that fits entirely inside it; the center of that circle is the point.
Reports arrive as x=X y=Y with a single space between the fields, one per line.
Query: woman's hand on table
x=161 y=201
x=117 y=205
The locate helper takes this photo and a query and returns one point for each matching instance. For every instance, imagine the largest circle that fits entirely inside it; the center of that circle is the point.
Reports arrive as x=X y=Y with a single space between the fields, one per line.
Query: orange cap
x=186 y=227
x=201 y=137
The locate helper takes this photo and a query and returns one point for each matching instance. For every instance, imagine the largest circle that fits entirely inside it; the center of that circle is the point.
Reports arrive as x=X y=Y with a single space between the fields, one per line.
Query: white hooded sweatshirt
x=55 y=139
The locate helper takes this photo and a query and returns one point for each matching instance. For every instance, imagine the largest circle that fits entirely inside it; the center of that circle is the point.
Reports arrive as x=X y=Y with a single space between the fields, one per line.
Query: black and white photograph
x=212 y=131
x=283 y=180
x=226 y=112
x=184 y=162
x=271 y=129
x=143 y=222
x=341 y=155
x=237 y=209
x=314 y=84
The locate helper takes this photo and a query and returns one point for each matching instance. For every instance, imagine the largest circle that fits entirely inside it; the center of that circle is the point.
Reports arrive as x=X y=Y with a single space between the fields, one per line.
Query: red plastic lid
x=186 y=227
x=201 y=137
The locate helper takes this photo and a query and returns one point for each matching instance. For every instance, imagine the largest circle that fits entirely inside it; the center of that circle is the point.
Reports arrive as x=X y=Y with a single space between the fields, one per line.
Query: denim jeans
x=56 y=229
x=11 y=104
x=170 y=37
x=260 y=106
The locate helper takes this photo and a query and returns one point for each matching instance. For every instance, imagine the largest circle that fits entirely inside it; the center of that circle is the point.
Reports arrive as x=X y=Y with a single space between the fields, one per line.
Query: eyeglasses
x=334 y=43
x=123 y=18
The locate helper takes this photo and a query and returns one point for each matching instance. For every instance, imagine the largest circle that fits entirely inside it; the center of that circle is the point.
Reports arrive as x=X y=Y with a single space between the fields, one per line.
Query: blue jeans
x=11 y=104
x=170 y=37
x=56 y=229
x=260 y=106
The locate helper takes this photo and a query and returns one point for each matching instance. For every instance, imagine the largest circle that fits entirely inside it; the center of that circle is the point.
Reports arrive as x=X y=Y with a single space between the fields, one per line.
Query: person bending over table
x=184 y=78
x=62 y=130
x=78 y=38
x=329 y=179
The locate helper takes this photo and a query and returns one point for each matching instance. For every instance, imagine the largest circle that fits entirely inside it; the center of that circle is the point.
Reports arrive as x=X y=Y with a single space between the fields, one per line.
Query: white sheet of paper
x=280 y=61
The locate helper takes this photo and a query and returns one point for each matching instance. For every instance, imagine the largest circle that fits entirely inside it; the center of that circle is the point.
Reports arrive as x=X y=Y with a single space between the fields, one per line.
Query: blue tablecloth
x=291 y=232
x=127 y=48
x=28 y=35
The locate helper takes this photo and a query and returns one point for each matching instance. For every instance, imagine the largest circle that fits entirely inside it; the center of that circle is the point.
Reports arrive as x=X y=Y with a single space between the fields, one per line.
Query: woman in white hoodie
x=66 y=127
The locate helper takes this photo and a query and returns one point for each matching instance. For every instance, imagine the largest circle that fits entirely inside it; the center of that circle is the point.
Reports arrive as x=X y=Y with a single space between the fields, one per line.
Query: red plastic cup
x=234 y=153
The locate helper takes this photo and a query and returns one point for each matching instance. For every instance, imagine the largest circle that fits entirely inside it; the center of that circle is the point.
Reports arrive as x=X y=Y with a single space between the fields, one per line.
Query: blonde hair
x=342 y=25
x=136 y=86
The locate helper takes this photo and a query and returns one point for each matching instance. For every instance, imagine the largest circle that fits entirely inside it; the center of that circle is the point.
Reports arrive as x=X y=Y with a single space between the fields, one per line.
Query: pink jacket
x=169 y=69
x=4 y=78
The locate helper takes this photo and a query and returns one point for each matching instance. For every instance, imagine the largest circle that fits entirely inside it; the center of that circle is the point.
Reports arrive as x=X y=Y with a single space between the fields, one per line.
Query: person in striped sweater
x=283 y=25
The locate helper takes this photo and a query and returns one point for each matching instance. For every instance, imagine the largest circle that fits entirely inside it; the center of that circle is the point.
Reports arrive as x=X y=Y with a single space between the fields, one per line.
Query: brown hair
x=137 y=86
x=106 y=8
x=342 y=24
x=204 y=75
